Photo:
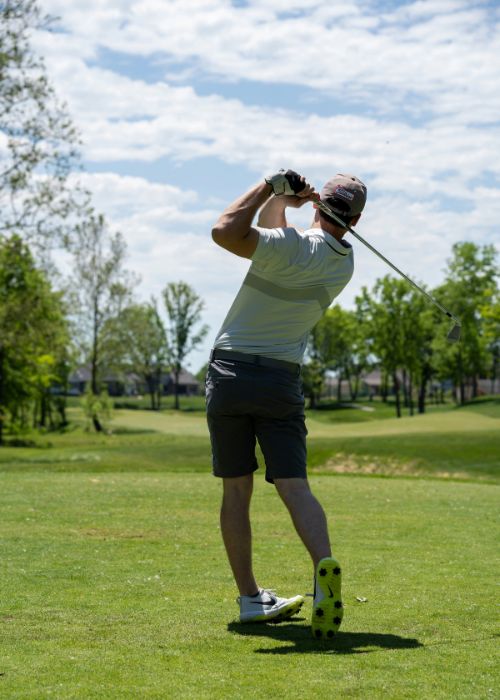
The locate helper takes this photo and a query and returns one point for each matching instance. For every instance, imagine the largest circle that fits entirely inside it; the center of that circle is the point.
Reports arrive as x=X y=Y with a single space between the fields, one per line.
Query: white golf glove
x=288 y=182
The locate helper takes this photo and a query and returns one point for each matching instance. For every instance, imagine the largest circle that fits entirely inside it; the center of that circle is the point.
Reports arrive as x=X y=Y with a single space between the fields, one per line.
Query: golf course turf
x=114 y=582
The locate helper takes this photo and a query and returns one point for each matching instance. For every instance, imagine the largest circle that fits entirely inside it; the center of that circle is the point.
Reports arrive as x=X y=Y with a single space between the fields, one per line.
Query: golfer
x=253 y=384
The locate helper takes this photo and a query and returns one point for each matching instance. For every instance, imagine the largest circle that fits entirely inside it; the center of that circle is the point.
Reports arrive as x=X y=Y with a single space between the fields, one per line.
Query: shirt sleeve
x=276 y=247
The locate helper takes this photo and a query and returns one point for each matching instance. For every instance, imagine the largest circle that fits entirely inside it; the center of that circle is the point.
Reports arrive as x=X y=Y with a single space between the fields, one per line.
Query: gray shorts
x=246 y=403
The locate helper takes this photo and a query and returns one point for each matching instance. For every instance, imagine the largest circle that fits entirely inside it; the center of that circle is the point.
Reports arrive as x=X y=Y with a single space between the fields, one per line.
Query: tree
x=358 y=360
x=423 y=339
x=382 y=308
x=337 y=342
x=319 y=355
x=393 y=311
x=313 y=374
x=333 y=342
x=101 y=289
x=469 y=291
x=490 y=313
x=33 y=332
x=184 y=308
x=41 y=143
x=141 y=345
x=418 y=330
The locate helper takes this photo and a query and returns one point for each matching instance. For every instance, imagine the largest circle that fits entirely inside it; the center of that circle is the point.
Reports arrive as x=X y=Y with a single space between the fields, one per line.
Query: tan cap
x=345 y=194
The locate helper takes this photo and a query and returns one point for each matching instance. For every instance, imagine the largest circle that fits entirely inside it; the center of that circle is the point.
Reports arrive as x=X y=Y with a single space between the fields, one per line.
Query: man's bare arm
x=272 y=214
x=233 y=230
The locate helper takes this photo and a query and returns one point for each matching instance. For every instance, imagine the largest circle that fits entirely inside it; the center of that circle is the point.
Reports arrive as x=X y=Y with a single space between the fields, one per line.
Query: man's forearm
x=236 y=220
x=272 y=214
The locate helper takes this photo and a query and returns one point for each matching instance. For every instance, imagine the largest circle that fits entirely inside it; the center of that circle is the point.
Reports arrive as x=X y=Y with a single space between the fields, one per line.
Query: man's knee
x=238 y=488
x=292 y=489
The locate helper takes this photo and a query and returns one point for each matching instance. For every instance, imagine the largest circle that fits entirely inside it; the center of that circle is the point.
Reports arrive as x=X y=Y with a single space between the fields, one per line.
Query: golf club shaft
x=331 y=213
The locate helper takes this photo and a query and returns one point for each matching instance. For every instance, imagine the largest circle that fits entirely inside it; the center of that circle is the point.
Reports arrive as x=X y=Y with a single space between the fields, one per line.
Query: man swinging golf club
x=253 y=385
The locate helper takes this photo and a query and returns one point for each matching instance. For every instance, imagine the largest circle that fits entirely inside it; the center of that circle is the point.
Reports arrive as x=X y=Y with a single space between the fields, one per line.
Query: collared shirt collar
x=342 y=247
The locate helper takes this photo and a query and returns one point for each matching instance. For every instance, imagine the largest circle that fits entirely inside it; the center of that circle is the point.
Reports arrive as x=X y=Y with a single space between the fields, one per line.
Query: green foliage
x=313 y=373
x=490 y=313
x=98 y=409
x=34 y=335
x=329 y=347
x=395 y=328
x=471 y=290
x=41 y=142
x=100 y=288
x=136 y=341
x=338 y=342
x=184 y=308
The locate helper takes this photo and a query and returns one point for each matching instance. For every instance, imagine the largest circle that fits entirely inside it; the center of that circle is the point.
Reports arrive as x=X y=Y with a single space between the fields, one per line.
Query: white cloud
x=432 y=50
x=123 y=193
x=429 y=49
x=176 y=122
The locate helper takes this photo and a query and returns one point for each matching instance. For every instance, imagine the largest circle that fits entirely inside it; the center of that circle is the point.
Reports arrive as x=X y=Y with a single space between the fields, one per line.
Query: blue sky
x=182 y=106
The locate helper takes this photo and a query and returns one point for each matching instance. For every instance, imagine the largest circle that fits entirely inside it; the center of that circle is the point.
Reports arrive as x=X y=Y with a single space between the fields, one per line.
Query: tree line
x=45 y=333
x=395 y=329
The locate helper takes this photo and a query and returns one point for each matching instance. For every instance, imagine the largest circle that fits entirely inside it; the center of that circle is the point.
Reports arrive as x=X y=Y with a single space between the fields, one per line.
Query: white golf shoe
x=267 y=606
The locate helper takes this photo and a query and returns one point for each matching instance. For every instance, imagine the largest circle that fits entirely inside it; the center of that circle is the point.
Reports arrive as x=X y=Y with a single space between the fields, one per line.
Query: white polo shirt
x=293 y=279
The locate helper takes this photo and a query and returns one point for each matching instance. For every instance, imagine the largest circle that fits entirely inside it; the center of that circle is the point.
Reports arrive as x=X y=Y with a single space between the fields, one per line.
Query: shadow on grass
x=19 y=442
x=122 y=430
x=166 y=408
x=303 y=643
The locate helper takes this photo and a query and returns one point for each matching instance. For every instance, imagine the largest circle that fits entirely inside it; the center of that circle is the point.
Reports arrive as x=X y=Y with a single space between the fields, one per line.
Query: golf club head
x=454 y=335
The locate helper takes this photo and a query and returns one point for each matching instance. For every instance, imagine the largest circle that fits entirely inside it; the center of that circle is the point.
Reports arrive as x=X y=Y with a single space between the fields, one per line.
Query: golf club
x=454 y=333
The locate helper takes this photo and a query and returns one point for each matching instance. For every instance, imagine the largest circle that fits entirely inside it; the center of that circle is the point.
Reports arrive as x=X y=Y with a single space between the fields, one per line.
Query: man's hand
x=272 y=214
x=298 y=200
x=289 y=182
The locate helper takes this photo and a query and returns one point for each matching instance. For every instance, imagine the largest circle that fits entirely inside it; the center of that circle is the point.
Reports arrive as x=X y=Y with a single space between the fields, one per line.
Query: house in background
x=372 y=384
x=130 y=384
x=188 y=384
x=369 y=386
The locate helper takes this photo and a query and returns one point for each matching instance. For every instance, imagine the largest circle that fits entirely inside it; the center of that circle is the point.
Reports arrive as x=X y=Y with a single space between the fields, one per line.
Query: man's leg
x=237 y=532
x=307 y=515
x=310 y=522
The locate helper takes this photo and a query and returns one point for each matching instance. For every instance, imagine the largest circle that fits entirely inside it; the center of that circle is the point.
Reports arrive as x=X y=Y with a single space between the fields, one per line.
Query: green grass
x=487 y=406
x=365 y=411
x=459 y=443
x=114 y=583
x=115 y=586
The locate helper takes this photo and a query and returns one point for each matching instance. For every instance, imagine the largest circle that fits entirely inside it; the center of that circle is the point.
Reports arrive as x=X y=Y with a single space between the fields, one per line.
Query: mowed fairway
x=457 y=443
x=114 y=582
